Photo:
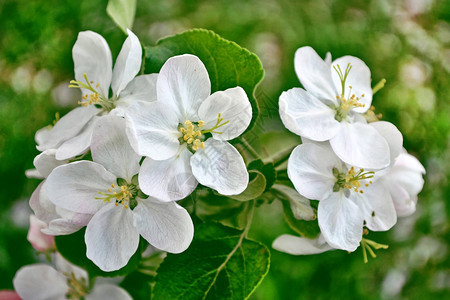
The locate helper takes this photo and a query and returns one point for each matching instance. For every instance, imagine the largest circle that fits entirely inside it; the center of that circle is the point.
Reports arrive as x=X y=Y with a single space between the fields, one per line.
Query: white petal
x=166 y=226
x=42 y=207
x=393 y=137
x=361 y=145
x=111 y=149
x=221 y=167
x=111 y=237
x=183 y=83
x=64 y=266
x=40 y=282
x=33 y=173
x=107 y=291
x=169 y=179
x=307 y=116
x=152 y=129
x=91 y=56
x=310 y=168
x=43 y=135
x=141 y=88
x=128 y=63
x=76 y=185
x=300 y=206
x=233 y=106
x=314 y=74
x=340 y=221
x=377 y=206
x=79 y=144
x=61 y=227
x=358 y=78
x=68 y=126
x=46 y=162
x=300 y=245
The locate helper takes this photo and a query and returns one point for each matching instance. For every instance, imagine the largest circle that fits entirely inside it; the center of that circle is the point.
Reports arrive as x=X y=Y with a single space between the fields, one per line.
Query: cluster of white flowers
x=151 y=140
x=350 y=161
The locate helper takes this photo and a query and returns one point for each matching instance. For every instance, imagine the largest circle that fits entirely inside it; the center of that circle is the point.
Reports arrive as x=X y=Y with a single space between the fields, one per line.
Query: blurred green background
x=406 y=41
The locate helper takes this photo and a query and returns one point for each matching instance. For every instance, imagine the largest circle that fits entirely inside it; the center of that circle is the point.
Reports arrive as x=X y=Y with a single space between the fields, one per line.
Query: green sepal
x=256 y=187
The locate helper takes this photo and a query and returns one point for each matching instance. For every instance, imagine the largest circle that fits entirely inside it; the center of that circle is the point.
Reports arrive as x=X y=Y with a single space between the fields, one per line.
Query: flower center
x=351 y=179
x=193 y=134
x=124 y=194
x=95 y=97
x=346 y=103
x=77 y=287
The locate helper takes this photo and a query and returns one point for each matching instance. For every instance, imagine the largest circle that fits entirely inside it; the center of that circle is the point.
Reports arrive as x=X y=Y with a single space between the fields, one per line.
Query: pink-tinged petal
x=300 y=245
x=91 y=56
x=361 y=145
x=111 y=148
x=152 y=129
x=307 y=116
x=40 y=241
x=68 y=126
x=358 y=79
x=393 y=137
x=76 y=186
x=165 y=225
x=79 y=144
x=377 y=206
x=310 y=168
x=169 y=179
x=340 y=221
x=183 y=84
x=128 y=63
x=46 y=162
x=108 y=291
x=111 y=237
x=9 y=295
x=40 y=282
x=233 y=106
x=221 y=167
x=314 y=74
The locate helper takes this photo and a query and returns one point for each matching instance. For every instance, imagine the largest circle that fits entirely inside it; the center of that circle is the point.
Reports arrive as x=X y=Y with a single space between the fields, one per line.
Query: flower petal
x=166 y=226
x=111 y=237
x=340 y=221
x=40 y=282
x=68 y=126
x=393 y=137
x=141 y=88
x=300 y=245
x=314 y=74
x=79 y=144
x=111 y=149
x=307 y=116
x=91 y=56
x=107 y=291
x=361 y=145
x=128 y=63
x=76 y=186
x=358 y=78
x=183 y=84
x=377 y=207
x=169 y=179
x=233 y=107
x=42 y=207
x=221 y=167
x=310 y=168
x=46 y=162
x=152 y=129
x=40 y=241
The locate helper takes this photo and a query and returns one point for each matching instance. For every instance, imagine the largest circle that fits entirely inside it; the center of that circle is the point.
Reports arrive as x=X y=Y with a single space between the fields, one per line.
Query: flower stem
x=249 y=148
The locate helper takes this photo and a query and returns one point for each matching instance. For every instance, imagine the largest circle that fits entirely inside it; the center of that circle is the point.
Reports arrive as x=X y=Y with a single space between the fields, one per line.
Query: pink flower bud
x=40 y=241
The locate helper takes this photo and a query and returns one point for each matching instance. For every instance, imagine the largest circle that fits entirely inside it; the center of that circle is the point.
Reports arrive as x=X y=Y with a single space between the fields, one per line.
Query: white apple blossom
x=404 y=182
x=71 y=135
x=349 y=197
x=43 y=282
x=331 y=108
x=296 y=245
x=107 y=188
x=184 y=134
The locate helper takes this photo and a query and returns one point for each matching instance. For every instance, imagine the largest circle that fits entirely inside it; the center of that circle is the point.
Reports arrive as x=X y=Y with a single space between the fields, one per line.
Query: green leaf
x=228 y=64
x=122 y=13
x=255 y=188
x=267 y=169
x=220 y=264
x=138 y=285
x=73 y=248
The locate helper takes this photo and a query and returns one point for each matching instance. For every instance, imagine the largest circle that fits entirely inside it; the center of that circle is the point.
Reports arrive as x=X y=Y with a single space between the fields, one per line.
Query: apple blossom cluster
x=349 y=161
